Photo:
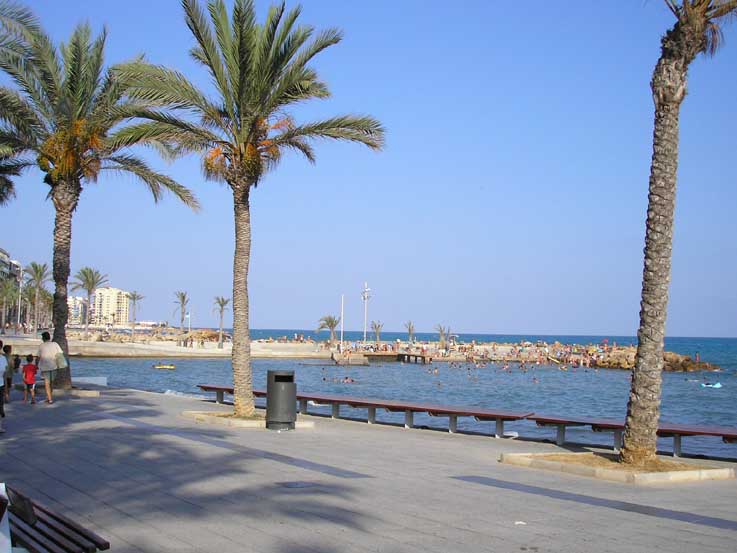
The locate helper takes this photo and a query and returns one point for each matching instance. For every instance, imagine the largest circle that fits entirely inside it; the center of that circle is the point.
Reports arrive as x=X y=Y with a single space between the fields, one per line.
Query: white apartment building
x=109 y=306
x=77 y=309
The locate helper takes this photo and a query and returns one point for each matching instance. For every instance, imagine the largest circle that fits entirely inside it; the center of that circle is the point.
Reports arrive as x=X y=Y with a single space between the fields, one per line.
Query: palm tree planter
x=62 y=117
x=696 y=31
x=259 y=72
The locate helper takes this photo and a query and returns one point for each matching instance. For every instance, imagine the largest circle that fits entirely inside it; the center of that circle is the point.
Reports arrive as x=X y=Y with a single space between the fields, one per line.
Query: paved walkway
x=129 y=466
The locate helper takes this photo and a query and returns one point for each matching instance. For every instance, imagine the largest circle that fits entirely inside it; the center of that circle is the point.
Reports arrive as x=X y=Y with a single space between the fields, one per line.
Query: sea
x=543 y=389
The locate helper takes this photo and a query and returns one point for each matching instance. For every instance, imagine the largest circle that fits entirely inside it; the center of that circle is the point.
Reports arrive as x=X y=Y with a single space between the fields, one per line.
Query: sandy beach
x=621 y=357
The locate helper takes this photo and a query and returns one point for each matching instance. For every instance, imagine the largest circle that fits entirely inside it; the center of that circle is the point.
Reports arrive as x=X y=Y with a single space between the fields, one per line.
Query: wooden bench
x=597 y=425
x=676 y=431
x=616 y=427
x=408 y=408
x=43 y=530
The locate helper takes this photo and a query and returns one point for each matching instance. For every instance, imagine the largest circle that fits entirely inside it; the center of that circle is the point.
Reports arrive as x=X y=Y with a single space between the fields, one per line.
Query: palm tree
x=442 y=335
x=183 y=300
x=376 y=326
x=38 y=277
x=329 y=322
x=696 y=31
x=410 y=326
x=89 y=280
x=259 y=72
x=64 y=116
x=8 y=295
x=221 y=304
x=134 y=297
x=16 y=24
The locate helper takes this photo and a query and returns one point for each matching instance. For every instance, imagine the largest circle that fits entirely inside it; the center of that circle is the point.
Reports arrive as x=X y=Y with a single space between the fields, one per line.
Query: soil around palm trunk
x=611 y=461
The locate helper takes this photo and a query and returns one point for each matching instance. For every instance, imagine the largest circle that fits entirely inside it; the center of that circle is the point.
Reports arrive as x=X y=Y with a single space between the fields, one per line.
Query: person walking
x=47 y=357
x=8 y=372
x=29 y=379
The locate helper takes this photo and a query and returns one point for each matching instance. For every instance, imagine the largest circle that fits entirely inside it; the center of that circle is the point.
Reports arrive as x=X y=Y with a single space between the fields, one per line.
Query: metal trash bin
x=281 y=400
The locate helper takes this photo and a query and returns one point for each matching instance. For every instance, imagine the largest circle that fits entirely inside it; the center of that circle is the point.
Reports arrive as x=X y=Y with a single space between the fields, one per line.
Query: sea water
x=542 y=389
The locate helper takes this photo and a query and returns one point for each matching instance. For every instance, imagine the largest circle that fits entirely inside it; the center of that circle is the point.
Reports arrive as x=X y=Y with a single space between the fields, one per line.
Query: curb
x=210 y=417
x=537 y=461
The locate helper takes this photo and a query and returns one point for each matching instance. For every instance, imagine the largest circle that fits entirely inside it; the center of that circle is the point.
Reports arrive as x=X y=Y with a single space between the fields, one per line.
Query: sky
x=510 y=197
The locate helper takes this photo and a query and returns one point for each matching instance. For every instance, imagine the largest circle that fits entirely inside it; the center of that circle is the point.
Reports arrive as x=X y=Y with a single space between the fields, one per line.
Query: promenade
x=130 y=467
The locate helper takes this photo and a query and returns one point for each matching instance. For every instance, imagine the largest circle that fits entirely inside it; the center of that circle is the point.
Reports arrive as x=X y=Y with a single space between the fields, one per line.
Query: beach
x=588 y=355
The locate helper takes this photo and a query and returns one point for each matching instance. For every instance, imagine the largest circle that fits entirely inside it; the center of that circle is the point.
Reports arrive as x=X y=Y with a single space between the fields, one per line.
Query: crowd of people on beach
x=46 y=361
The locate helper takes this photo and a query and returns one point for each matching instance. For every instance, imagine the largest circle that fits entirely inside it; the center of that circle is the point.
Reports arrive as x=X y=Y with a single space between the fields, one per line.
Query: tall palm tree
x=89 y=280
x=376 y=327
x=8 y=296
x=696 y=31
x=134 y=297
x=221 y=304
x=182 y=299
x=329 y=322
x=38 y=277
x=64 y=116
x=410 y=326
x=259 y=72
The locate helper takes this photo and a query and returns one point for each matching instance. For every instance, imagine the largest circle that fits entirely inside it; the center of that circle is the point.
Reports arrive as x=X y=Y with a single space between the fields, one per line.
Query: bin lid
x=280 y=373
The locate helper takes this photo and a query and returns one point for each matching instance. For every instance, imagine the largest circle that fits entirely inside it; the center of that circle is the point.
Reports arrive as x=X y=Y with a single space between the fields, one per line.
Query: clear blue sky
x=510 y=197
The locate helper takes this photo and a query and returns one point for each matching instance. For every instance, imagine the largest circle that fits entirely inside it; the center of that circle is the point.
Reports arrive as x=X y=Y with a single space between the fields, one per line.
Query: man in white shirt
x=47 y=363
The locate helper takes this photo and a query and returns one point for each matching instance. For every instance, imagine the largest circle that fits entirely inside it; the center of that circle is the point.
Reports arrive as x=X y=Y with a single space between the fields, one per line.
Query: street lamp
x=365 y=295
x=20 y=292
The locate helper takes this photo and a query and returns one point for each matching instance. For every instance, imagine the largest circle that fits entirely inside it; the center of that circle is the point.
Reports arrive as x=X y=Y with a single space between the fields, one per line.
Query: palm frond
x=155 y=181
x=161 y=127
x=207 y=52
x=17 y=24
x=364 y=129
x=19 y=114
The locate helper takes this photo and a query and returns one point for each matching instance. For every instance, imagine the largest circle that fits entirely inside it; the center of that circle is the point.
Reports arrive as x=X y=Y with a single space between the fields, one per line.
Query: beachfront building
x=77 y=309
x=109 y=306
x=9 y=268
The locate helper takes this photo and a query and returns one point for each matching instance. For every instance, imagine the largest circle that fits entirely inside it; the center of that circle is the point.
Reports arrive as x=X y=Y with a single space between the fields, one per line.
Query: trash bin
x=281 y=400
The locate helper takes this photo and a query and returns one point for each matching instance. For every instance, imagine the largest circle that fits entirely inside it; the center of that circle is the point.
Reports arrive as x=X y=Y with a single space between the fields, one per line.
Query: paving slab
x=129 y=466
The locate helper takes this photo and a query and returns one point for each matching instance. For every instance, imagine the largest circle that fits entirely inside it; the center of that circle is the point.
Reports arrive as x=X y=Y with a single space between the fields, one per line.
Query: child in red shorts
x=29 y=379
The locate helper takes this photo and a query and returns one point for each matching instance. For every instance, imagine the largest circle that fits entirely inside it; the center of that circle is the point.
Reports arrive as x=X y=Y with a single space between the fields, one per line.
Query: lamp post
x=366 y=295
x=20 y=293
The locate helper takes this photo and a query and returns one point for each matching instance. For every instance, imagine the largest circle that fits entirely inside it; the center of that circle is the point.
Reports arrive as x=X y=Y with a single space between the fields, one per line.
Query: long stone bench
x=597 y=425
x=499 y=417
x=676 y=431
x=616 y=427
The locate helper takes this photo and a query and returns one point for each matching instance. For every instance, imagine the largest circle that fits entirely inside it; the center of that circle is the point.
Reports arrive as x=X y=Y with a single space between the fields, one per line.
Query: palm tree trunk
x=65 y=202
x=220 y=332
x=133 y=327
x=87 y=316
x=35 y=310
x=2 y=330
x=242 y=376
x=643 y=409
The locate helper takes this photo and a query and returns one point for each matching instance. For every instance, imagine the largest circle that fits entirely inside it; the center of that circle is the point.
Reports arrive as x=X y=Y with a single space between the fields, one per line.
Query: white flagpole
x=342 y=298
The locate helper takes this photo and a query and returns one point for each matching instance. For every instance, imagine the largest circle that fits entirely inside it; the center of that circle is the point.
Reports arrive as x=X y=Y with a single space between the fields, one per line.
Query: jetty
x=352 y=359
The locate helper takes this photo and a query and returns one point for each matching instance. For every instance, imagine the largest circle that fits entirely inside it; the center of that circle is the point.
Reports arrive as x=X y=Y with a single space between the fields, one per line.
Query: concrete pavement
x=132 y=469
